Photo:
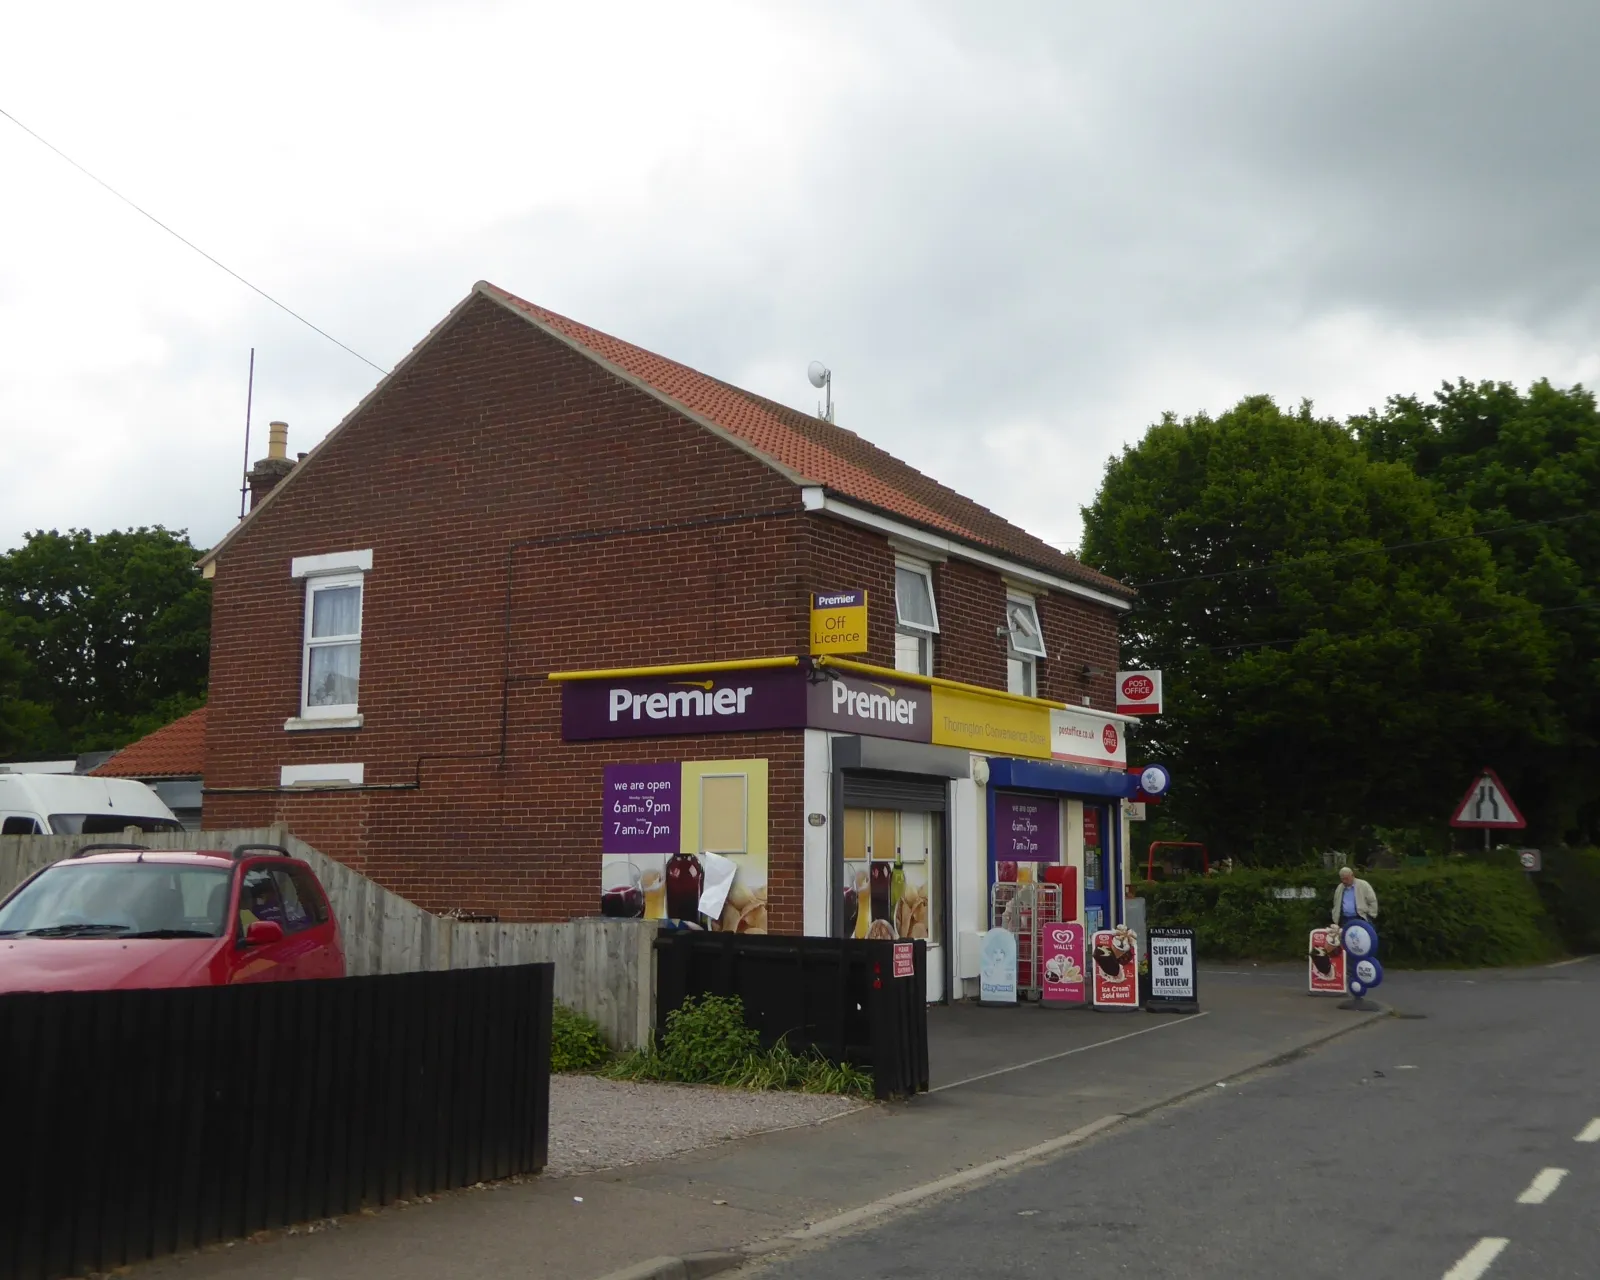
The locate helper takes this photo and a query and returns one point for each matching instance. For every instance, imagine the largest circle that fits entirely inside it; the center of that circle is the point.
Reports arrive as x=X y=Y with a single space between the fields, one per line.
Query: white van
x=45 y=804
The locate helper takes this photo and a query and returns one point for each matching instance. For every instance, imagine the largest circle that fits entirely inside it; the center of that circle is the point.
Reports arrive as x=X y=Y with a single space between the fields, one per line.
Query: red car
x=122 y=916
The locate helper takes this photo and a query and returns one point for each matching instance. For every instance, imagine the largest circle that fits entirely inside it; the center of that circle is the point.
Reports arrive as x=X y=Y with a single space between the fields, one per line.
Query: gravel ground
x=599 y=1124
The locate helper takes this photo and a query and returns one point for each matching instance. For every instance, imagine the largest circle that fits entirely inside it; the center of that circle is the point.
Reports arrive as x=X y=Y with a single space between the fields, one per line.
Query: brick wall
x=502 y=462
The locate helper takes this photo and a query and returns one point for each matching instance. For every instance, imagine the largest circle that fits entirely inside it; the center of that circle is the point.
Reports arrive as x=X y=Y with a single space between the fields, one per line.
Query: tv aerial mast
x=821 y=377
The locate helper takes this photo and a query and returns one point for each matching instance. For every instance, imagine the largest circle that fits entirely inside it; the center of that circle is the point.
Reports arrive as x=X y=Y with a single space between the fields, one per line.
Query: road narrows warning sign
x=1488 y=804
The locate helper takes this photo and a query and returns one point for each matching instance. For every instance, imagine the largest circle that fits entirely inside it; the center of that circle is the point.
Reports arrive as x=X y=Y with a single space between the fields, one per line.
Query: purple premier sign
x=1026 y=828
x=641 y=808
x=739 y=701
x=853 y=704
x=660 y=706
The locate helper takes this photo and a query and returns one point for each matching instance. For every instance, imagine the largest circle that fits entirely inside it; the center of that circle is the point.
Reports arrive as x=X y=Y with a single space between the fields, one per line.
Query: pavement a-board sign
x=1326 y=961
x=1362 y=969
x=1489 y=805
x=997 y=967
x=1114 y=968
x=1061 y=960
x=1172 y=977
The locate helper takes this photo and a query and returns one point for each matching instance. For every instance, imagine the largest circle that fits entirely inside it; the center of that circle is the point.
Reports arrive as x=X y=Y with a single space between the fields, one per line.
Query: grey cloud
x=1045 y=223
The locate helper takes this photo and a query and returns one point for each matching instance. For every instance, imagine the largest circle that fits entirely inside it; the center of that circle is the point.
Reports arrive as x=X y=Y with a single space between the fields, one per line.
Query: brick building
x=540 y=577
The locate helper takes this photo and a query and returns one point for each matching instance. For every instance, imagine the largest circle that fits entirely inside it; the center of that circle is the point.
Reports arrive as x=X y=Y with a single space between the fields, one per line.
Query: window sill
x=299 y=724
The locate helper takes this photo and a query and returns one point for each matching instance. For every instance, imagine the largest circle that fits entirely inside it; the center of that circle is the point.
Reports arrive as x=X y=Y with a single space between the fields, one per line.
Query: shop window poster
x=669 y=832
x=890 y=874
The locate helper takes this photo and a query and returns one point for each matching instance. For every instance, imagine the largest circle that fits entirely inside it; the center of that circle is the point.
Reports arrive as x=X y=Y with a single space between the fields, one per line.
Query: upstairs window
x=330 y=667
x=1024 y=646
x=916 y=619
x=333 y=646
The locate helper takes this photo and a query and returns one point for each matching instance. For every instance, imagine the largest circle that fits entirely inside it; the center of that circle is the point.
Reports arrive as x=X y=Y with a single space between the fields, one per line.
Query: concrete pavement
x=1460 y=1141
x=1004 y=1081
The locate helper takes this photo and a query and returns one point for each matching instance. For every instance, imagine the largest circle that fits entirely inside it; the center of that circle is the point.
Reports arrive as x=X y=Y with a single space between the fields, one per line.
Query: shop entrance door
x=1098 y=889
x=894 y=880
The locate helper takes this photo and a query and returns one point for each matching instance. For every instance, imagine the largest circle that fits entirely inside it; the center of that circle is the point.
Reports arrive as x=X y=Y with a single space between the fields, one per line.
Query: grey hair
x=1345 y=871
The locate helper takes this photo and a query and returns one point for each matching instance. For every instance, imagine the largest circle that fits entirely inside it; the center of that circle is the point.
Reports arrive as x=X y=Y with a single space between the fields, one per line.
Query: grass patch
x=707 y=1042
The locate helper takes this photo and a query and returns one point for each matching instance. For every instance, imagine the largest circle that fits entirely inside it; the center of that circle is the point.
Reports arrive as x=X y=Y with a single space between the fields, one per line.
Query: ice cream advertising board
x=997 y=968
x=1114 y=968
x=1061 y=964
x=1326 y=961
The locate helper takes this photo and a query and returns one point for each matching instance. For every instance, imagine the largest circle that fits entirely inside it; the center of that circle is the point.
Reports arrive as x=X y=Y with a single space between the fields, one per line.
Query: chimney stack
x=270 y=471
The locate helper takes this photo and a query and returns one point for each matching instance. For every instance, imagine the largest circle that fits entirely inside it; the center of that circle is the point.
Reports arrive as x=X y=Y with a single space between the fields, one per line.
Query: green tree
x=1526 y=469
x=22 y=722
x=102 y=638
x=1347 y=686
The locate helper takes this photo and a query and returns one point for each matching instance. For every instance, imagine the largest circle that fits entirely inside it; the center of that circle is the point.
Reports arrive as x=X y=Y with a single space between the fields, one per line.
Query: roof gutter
x=817 y=499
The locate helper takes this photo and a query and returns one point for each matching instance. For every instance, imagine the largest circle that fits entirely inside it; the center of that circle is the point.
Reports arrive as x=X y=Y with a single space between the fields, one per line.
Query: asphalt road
x=1427 y=1145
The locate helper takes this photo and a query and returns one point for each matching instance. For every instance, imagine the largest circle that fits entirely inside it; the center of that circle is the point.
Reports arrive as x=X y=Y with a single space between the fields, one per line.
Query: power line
x=1367 y=551
x=190 y=243
x=1362 y=631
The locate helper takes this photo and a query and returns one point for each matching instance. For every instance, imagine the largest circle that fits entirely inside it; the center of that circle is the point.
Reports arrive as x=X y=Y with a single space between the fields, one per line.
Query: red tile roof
x=817 y=451
x=175 y=750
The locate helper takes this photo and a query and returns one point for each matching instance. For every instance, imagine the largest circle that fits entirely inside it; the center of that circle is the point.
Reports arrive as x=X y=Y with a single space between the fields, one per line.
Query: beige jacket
x=1366 y=900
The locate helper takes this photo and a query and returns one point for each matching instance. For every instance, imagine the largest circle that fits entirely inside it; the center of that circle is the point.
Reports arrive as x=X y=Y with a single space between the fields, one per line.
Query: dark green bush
x=575 y=1042
x=1455 y=914
x=707 y=1042
x=707 y=1038
x=1569 y=887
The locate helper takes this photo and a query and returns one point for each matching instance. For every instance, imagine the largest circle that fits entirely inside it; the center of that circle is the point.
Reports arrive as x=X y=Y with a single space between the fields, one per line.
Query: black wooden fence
x=838 y=995
x=140 y=1123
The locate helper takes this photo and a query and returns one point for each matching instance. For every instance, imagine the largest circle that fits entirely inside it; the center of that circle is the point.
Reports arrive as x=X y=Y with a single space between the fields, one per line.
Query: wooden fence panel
x=838 y=996
x=159 y=1121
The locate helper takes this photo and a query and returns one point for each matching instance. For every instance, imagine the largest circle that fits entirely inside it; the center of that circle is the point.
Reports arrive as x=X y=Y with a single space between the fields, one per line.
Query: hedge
x=1569 y=886
x=1451 y=915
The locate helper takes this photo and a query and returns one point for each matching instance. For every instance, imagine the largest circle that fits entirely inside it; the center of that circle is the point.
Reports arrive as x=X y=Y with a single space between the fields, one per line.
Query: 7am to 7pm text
x=641 y=816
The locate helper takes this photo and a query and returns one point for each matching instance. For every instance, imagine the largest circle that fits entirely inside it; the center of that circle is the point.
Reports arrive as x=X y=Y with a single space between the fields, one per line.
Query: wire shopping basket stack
x=1024 y=910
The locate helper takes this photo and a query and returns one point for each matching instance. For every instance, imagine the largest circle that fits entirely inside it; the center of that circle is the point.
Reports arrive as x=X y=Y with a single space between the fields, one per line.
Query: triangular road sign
x=1488 y=804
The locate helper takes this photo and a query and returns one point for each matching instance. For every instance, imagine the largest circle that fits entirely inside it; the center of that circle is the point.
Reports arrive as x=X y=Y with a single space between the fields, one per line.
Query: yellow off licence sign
x=839 y=621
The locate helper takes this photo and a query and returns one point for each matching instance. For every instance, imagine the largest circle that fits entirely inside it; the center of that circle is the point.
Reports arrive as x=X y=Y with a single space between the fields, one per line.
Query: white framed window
x=1024 y=645
x=330 y=677
x=916 y=618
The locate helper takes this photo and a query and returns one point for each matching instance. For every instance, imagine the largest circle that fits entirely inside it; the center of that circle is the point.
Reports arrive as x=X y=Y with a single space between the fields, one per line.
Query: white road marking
x=1591 y=1132
x=1562 y=964
x=1082 y=1048
x=1543 y=1185
x=1477 y=1259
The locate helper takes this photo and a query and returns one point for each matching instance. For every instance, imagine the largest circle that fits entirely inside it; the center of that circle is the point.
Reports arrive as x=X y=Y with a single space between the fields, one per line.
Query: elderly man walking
x=1353 y=899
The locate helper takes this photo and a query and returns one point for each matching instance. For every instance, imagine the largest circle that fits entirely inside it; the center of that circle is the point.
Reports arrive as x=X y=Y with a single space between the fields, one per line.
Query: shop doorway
x=1099 y=888
x=894 y=870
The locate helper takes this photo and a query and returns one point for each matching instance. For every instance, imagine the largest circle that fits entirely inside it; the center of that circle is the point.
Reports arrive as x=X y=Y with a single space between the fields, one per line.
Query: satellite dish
x=817 y=373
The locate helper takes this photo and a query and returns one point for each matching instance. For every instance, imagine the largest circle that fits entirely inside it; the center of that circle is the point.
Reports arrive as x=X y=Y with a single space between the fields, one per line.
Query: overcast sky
x=1016 y=232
